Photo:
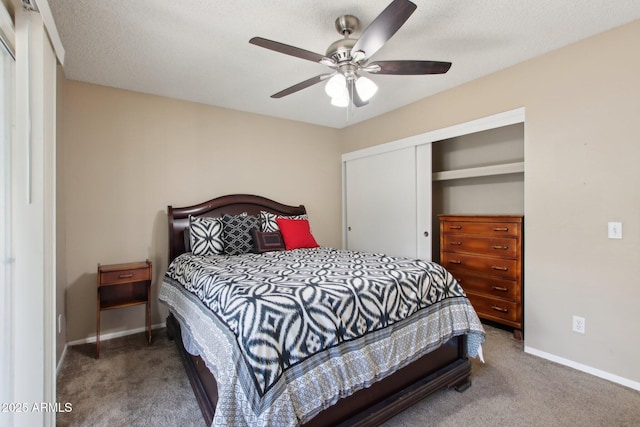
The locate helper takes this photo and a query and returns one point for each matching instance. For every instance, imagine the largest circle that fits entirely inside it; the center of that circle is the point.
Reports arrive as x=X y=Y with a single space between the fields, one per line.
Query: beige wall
x=129 y=155
x=581 y=152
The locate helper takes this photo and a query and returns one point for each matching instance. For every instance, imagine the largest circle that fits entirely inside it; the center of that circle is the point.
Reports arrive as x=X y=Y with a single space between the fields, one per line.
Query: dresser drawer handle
x=499 y=288
x=125 y=276
x=504 y=248
x=455 y=227
x=497 y=267
x=501 y=309
x=500 y=228
x=455 y=261
x=456 y=243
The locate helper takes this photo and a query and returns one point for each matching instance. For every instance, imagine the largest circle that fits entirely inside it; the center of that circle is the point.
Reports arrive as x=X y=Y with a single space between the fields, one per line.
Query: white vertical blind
x=33 y=243
x=7 y=70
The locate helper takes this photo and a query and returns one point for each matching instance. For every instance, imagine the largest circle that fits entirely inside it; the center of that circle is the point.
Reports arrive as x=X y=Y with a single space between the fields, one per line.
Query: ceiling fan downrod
x=340 y=50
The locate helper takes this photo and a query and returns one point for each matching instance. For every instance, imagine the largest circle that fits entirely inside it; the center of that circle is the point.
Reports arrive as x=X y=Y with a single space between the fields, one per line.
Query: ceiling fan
x=348 y=57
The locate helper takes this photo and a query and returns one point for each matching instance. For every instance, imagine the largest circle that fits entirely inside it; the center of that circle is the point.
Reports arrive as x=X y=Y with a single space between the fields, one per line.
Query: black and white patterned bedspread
x=284 y=308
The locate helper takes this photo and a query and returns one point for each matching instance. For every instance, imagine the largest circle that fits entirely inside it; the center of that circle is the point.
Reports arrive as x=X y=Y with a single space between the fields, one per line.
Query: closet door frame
x=422 y=143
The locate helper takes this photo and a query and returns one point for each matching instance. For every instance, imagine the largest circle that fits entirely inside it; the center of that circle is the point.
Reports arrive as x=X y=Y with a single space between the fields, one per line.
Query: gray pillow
x=237 y=233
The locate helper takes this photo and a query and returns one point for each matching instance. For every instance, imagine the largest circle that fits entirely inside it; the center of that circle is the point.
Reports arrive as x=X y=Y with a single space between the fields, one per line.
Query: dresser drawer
x=491 y=286
x=495 y=308
x=488 y=229
x=125 y=276
x=505 y=268
x=506 y=247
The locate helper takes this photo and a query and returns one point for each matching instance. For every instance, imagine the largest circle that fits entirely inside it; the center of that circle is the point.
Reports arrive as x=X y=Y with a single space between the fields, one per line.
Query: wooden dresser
x=484 y=253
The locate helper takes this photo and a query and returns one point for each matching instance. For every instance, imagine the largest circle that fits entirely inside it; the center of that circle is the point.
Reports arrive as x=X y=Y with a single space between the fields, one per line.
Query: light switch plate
x=615 y=230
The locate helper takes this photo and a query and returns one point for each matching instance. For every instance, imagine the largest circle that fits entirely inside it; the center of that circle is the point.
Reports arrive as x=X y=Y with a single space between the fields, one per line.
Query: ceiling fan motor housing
x=340 y=50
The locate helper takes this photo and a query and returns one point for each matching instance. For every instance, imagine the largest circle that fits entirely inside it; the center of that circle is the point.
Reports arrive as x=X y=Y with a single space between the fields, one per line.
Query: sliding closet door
x=424 y=201
x=381 y=203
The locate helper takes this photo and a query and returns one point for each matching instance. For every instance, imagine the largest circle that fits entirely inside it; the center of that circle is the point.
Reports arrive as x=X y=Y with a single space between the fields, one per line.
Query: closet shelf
x=506 y=168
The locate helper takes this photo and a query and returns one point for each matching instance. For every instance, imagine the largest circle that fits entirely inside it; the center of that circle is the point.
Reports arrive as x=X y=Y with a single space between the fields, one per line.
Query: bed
x=323 y=380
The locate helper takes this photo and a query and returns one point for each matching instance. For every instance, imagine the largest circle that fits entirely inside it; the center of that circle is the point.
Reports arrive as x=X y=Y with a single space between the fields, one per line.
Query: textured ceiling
x=198 y=50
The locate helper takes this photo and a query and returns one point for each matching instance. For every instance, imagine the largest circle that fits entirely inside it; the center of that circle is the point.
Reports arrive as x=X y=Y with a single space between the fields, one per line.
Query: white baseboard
x=64 y=353
x=112 y=335
x=584 y=368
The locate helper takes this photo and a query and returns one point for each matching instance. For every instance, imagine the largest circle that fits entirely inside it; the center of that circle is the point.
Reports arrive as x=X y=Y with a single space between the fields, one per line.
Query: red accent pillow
x=296 y=233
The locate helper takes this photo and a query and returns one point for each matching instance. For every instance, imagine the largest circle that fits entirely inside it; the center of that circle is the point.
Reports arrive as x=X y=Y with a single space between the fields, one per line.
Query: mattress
x=288 y=333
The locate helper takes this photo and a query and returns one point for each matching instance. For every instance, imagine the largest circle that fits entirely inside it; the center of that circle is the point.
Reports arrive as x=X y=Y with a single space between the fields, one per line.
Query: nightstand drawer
x=505 y=268
x=125 y=276
x=491 y=286
x=492 y=229
x=495 y=308
x=499 y=247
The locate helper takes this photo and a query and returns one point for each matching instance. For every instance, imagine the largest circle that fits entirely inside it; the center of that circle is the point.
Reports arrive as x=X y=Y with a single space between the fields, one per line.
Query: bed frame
x=446 y=366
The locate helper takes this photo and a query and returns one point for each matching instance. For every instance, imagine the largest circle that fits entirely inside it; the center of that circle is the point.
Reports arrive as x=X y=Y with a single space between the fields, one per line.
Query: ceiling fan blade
x=353 y=94
x=384 y=27
x=302 y=85
x=286 y=49
x=407 y=68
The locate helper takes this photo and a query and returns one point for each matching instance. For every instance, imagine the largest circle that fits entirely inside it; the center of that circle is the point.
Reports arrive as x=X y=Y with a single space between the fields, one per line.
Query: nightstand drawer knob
x=501 y=309
x=456 y=243
x=455 y=261
x=500 y=228
x=499 y=247
x=455 y=227
x=497 y=267
x=499 y=288
x=125 y=276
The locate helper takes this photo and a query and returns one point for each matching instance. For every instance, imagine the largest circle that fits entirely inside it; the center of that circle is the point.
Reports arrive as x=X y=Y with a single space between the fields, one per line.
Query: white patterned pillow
x=205 y=236
x=268 y=221
x=237 y=233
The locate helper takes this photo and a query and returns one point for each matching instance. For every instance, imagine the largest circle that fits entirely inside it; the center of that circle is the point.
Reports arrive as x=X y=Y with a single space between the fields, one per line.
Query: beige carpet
x=133 y=384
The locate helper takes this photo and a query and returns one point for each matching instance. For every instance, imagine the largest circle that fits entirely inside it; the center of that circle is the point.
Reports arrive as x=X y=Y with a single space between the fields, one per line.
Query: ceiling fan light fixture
x=366 y=88
x=340 y=101
x=336 y=86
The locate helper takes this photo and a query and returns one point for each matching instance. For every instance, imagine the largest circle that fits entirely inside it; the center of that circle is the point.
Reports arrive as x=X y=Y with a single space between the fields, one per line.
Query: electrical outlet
x=614 y=230
x=579 y=324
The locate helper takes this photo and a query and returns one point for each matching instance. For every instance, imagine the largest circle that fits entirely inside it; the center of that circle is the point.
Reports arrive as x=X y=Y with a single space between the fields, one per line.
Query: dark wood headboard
x=233 y=204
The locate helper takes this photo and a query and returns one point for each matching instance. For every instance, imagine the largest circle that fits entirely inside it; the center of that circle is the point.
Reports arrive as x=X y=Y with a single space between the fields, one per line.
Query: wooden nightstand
x=124 y=285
